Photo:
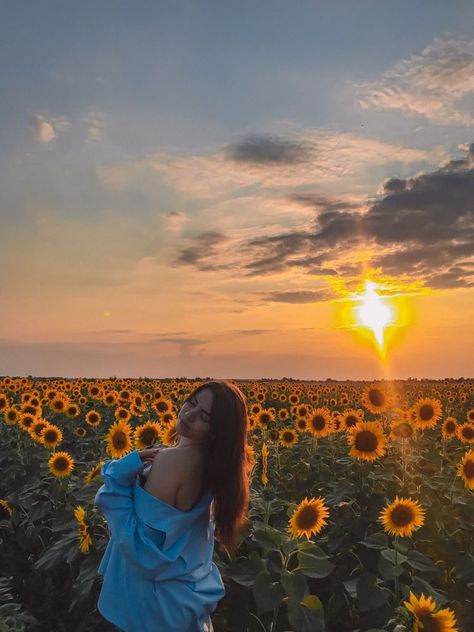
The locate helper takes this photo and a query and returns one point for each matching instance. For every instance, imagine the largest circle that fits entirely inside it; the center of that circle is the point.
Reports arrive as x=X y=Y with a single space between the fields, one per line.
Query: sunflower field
x=361 y=516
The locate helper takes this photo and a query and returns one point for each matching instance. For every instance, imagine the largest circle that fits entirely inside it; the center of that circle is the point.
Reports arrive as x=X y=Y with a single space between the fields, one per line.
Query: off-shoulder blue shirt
x=158 y=570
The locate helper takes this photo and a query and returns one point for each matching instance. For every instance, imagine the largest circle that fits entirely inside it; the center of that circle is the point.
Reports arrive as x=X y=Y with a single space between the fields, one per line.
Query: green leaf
x=268 y=538
x=307 y=616
x=295 y=585
x=421 y=562
x=421 y=586
x=369 y=594
x=267 y=594
x=313 y=566
x=375 y=541
x=245 y=571
x=389 y=554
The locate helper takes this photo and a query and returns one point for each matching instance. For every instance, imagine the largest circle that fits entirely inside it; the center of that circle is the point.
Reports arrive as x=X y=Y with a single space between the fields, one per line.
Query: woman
x=158 y=570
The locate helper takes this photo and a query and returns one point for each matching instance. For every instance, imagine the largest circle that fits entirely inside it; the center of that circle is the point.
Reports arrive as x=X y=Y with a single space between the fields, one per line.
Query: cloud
x=174 y=221
x=44 y=130
x=427 y=85
x=47 y=130
x=422 y=225
x=265 y=162
x=269 y=150
x=94 y=121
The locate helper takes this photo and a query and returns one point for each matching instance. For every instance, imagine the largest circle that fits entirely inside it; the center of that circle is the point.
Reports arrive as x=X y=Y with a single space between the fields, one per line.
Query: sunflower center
x=376 y=397
x=366 y=441
x=468 y=432
x=61 y=464
x=450 y=426
x=430 y=624
x=402 y=515
x=307 y=517
x=351 y=420
x=318 y=422
x=469 y=469
x=426 y=412
x=119 y=440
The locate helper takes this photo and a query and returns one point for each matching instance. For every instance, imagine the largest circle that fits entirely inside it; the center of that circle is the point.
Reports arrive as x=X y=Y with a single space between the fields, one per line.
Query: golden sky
x=201 y=200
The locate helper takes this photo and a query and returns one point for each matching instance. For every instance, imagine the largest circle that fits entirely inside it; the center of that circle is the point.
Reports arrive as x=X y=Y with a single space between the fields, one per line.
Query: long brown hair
x=226 y=473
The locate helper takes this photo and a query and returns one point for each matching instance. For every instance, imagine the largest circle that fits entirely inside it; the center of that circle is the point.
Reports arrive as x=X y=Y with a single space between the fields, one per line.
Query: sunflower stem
x=260 y=622
x=396 y=569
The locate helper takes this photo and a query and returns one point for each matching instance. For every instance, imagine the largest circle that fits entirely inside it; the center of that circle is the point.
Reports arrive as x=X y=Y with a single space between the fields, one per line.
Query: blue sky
x=147 y=145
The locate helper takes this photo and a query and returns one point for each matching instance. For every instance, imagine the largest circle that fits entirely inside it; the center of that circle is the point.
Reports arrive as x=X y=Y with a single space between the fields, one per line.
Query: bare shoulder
x=171 y=469
x=165 y=477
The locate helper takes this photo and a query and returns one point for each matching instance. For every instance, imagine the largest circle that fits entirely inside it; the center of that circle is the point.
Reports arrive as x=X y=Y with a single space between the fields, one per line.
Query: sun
x=374 y=312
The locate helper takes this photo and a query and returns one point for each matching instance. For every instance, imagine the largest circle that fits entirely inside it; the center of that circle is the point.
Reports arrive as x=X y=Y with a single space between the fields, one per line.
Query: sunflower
x=93 y=472
x=110 y=398
x=51 y=436
x=264 y=417
x=449 y=427
x=350 y=417
x=250 y=456
x=320 y=422
x=84 y=535
x=93 y=418
x=426 y=412
x=4 y=402
x=61 y=464
x=80 y=432
x=283 y=414
x=59 y=404
x=402 y=517
x=426 y=619
x=466 y=469
x=288 y=437
x=308 y=518
x=401 y=429
x=122 y=414
x=465 y=433
x=375 y=398
x=273 y=435
x=470 y=416
x=72 y=411
x=118 y=440
x=26 y=420
x=36 y=429
x=264 y=476
x=162 y=405
x=367 y=440
x=11 y=416
x=169 y=435
x=5 y=507
x=146 y=434
x=302 y=424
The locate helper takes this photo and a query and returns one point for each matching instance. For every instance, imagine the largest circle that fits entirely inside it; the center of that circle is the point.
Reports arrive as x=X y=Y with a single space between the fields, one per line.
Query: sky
x=192 y=188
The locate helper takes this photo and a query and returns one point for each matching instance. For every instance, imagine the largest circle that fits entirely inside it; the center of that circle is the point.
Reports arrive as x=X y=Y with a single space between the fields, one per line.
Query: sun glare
x=374 y=312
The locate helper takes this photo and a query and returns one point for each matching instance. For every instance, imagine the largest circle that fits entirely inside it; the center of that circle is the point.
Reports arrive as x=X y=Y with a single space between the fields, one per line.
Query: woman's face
x=194 y=416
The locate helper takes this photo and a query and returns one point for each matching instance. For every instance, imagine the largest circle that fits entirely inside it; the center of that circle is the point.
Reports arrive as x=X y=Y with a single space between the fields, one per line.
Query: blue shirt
x=158 y=570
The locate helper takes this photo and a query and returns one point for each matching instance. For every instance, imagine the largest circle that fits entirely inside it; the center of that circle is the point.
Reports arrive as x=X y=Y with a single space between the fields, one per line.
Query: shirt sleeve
x=115 y=497
x=139 y=544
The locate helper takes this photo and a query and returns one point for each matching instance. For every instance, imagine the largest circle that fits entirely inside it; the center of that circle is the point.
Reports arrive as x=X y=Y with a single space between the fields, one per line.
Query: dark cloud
x=201 y=253
x=253 y=332
x=261 y=149
x=301 y=296
x=424 y=225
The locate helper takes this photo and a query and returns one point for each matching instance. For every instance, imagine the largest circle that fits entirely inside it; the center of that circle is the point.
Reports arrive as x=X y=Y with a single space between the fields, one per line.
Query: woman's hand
x=148 y=454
